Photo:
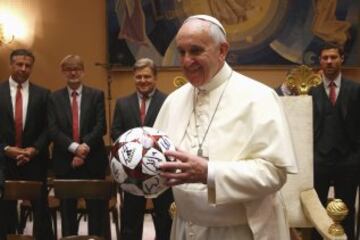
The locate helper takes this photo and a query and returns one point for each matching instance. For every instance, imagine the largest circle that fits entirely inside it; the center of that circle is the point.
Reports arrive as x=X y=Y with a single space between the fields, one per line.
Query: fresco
x=261 y=32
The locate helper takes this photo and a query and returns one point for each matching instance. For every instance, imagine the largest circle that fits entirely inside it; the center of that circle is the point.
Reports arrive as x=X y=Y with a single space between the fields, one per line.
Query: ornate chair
x=302 y=202
x=303 y=206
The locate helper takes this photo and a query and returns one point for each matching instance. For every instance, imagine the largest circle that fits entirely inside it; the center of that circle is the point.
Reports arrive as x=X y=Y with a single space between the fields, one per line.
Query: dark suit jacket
x=127 y=113
x=349 y=98
x=2 y=176
x=279 y=91
x=35 y=133
x=92 y=130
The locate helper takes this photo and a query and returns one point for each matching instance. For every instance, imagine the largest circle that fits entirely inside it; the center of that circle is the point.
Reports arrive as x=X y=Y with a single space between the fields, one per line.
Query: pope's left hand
x=187 y=168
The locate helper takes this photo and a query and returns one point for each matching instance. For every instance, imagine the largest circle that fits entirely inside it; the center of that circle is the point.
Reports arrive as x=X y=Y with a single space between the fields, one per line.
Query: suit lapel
x=29 y=106
x=65 y=102
x=152 y=107
x=84 y=107
x=343 y=97
x=319 y=98
x=134 y=108
x=7 y=99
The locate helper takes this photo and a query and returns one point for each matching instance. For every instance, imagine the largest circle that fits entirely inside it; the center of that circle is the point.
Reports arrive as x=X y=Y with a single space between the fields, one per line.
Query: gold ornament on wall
x=179 y=81
x=301 y=79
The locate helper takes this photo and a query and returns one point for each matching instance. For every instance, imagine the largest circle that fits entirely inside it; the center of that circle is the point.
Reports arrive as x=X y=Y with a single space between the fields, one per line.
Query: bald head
x=203 y=47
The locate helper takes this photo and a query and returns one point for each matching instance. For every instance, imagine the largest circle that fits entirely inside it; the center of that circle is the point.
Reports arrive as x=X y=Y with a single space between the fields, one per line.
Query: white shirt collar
x=14 y=84
x=148 y=96
x=337 y=81
x=79 y=90
x=219 y=78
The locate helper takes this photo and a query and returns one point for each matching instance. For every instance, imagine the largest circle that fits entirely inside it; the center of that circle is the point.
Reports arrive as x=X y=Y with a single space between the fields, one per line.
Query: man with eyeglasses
x=77 y=126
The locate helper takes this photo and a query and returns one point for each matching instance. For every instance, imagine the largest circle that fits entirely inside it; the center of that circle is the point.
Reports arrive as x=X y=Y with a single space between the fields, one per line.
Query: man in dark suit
x=141 y=109
x=77 y=126
x=24 y=137
x=336 y=133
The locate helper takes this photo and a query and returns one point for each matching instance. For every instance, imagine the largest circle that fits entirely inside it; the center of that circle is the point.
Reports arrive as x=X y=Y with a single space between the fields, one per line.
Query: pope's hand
x=187 y=169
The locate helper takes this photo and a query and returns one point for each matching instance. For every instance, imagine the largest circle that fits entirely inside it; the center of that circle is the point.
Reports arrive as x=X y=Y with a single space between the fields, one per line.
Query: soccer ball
x=134 y=161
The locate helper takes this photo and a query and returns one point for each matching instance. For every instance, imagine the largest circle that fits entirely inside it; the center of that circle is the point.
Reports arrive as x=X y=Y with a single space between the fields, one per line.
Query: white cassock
x=250 y=151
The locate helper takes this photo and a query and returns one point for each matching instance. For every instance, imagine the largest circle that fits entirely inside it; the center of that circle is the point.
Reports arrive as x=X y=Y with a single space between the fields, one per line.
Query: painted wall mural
x=261 y=32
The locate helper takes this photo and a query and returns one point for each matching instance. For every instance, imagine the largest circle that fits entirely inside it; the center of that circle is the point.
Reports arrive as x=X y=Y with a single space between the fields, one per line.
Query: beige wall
x=79 y=26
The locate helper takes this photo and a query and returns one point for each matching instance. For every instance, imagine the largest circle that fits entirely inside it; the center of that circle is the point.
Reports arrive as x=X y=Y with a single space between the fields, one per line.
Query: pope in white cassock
x=233 y=141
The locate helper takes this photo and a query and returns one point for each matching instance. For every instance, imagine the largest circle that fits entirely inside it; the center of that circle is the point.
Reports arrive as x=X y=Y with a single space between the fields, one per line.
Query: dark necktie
x=143 y=109
x=18 y=116
x=332 y=92
x=75 y=116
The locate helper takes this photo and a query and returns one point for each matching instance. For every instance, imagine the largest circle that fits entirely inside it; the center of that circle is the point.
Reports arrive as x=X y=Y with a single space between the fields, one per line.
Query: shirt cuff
x=73 y=146
x=211 y=175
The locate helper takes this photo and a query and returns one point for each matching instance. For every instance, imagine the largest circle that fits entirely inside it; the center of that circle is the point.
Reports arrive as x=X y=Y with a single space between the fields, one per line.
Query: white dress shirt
x=337 y=82
x=74 y=145
x=25 y=96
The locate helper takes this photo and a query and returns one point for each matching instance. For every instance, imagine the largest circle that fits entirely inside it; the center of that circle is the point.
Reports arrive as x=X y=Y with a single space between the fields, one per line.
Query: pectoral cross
x=200 y=152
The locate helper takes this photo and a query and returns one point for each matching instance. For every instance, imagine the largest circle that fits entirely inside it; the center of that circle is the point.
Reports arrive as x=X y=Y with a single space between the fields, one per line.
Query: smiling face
x=200 y=56
x=330 y=62
x=145 y=80
x=21 y=68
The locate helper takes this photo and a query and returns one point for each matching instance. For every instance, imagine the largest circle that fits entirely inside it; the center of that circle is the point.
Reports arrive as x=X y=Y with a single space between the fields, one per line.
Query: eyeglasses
x=75 y=69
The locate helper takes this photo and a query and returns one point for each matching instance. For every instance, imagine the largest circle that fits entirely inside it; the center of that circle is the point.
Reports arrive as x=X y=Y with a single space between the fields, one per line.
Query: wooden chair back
x=25 y=190
x=91 y=237
x=18 y=237
x=80 y=188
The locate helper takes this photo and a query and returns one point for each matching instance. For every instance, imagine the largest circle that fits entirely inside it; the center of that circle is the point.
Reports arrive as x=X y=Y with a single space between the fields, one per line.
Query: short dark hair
x=331 y=45
x=21 y=52
x=145 y=62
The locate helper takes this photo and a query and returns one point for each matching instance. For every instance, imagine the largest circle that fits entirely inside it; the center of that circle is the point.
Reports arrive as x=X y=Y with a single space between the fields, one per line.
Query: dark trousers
x=42 y=221
x=97 y=220
x=343 y=179
x=132 y=216
x=98 y=215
